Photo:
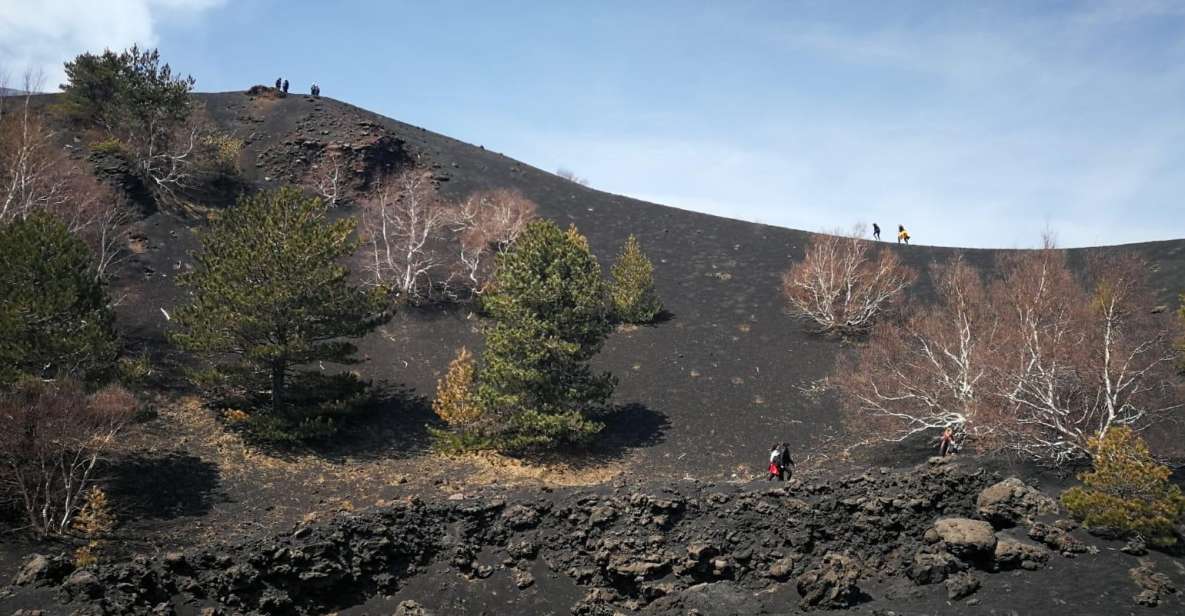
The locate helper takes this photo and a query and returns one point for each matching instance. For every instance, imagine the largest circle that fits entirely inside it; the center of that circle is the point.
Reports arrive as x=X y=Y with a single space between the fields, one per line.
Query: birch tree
x=403 y=223
x=842 y=287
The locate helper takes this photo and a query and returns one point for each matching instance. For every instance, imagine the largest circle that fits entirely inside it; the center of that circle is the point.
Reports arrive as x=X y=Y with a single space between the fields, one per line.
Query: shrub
x=54 y=315
x=52 y=435
x=454 y=402
x=109 y=147
x=1127 y=490
x=632 y=290
x=548 y=307
x=225 y=151
x=94 y=521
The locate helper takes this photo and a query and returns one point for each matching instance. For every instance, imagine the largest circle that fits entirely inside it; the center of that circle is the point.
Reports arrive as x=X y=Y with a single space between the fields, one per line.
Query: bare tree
x=571 y=176
x=36 y=174
x=485 y=224
x=1038 y=364
x=1082 y=361
x=402 y=221
x=933 y=370
x=329 y=176
x=840 y=287
x=52 y=435
x=31 y=164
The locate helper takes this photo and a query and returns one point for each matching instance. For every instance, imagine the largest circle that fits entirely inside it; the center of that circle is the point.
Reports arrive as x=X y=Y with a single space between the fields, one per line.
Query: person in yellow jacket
x=902 y=234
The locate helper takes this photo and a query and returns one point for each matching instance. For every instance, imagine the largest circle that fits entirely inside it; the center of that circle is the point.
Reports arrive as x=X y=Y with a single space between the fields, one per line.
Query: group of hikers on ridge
x=282 y=86
x=902 y=234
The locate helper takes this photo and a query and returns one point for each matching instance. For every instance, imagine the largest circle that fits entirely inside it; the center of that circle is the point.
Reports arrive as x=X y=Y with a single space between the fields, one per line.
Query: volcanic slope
x=723 y=375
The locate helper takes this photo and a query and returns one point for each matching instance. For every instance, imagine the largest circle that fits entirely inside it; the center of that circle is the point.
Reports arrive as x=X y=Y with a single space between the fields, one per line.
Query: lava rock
x=1011 y=502
x=933 y=567
x=961 y=585
x=1012 y=554
x=830 y=584
x=966 y=538
x=41 y=570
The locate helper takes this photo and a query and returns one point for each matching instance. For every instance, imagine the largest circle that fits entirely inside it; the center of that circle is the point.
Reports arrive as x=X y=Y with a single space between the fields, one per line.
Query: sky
x=976 y=124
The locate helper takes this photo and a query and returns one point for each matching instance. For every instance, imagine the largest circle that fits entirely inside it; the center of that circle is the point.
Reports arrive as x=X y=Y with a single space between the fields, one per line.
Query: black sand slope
x=707 y=389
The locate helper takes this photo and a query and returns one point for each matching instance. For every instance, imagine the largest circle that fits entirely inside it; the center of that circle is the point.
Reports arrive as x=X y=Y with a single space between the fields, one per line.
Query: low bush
x=1127 y=491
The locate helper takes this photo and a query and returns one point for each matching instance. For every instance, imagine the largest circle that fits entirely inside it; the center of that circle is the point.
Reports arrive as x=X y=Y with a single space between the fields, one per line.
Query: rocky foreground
x=883 y=538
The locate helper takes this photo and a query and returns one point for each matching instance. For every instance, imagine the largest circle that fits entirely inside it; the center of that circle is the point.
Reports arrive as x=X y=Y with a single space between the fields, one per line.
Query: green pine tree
x=549 y=319
x=1127 y=490
x=269 y=294
x=55 y=318
x=632 y=290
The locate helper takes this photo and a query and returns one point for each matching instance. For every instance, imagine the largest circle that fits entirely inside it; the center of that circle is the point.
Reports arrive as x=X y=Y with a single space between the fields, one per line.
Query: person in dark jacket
x=876 y=231
x=285 y=86
x=278 y=81
x=785 y=461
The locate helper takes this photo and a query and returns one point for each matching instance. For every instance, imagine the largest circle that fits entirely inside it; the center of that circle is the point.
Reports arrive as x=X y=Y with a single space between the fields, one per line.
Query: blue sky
x=973 y=123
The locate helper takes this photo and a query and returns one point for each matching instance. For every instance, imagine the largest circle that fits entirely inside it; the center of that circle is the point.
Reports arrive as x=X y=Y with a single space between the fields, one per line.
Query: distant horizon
x=976 y=126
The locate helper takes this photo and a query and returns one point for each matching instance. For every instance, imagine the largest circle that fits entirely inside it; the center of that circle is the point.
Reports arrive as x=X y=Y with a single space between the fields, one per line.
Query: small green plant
x=109 y=147
x=225 y=151
x=134 y=370
x=457 y=406
x=1127 y=490
x=632 y=290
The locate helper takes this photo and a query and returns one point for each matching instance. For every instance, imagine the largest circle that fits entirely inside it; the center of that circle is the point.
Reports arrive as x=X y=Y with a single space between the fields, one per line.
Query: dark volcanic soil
x=704 y=392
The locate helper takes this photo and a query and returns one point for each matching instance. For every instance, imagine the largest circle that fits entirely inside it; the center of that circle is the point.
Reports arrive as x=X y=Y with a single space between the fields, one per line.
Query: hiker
x=285 y=86
x=876 y=231
x=785 y=461
x=902 y=235
x=947 y=444
x=775 y=463
x=315 y=91
x=278 y=80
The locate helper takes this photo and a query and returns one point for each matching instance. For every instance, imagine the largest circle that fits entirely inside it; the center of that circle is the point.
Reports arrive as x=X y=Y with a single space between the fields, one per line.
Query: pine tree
x=632 y=290
x=54 y=315
x=549 y=319
x=1127 y=490
x=269 y=294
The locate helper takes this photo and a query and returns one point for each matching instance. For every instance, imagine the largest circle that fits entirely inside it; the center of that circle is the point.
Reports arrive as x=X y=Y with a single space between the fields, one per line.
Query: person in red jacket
x=775 y=464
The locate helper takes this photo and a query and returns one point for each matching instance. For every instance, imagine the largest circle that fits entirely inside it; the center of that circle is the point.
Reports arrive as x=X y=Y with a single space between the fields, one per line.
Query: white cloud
x=39 y=35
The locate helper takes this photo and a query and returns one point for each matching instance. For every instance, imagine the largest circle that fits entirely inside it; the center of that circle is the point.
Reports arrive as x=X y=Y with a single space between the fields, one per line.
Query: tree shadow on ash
x=394 y=426
x=627 y=427
x=163 y=486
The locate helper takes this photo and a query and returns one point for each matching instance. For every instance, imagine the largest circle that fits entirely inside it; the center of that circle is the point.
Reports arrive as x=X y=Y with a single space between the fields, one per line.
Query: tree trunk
x=278 y=388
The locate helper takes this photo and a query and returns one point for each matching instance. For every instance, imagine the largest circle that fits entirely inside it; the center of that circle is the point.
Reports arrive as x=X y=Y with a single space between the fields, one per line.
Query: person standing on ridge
x=902 y=235
x=876 y=231
x=285 y=86
x=775 y=460
x=278 y=80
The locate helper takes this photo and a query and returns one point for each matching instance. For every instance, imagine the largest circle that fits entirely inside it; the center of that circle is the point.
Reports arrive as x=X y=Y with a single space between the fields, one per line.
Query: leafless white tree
x=933 y=370
x=402 y=221
x=36 y=174
x=841 y=287
x=486 y=224
x=328 y=176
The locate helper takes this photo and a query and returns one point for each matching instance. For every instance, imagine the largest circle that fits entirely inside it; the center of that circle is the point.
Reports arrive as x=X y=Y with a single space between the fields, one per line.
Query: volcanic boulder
x=966 y=538
x=830 y=584
x=1012 y=502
